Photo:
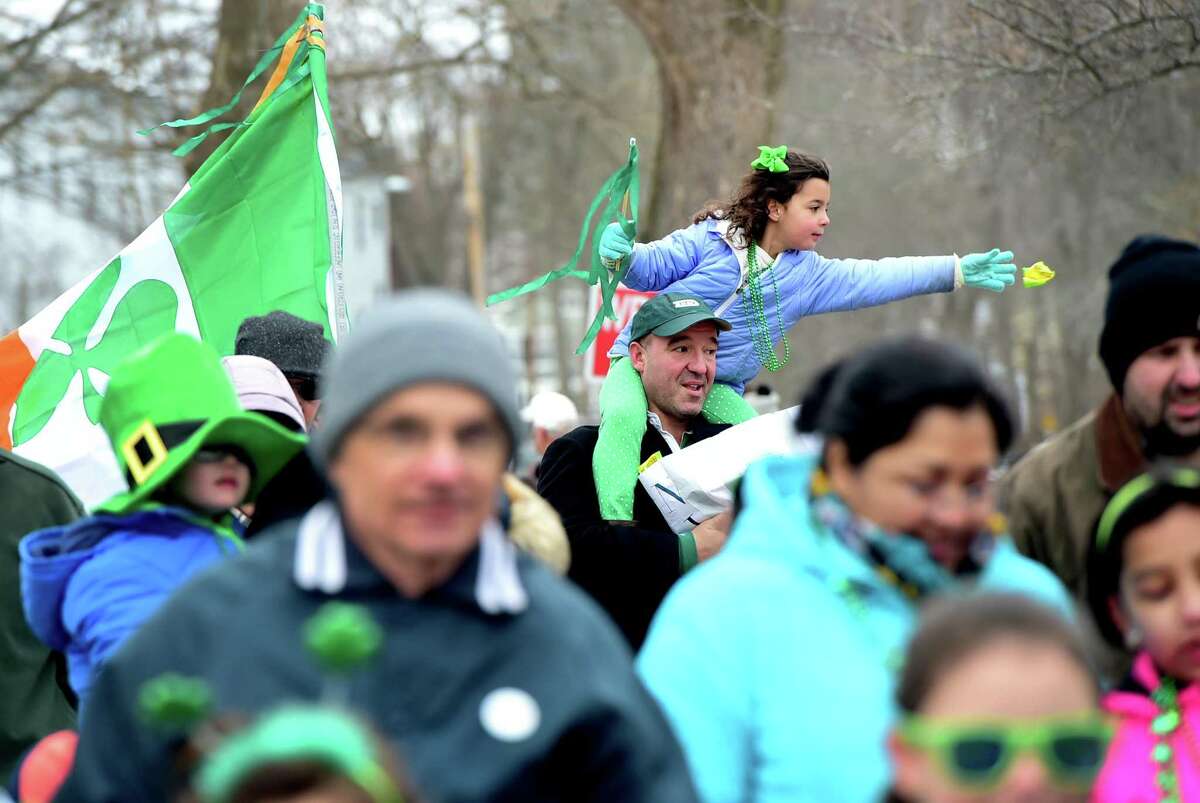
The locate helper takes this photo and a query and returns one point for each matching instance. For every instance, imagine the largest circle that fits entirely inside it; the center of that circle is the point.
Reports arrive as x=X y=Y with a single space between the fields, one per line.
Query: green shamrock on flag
x=146 y=310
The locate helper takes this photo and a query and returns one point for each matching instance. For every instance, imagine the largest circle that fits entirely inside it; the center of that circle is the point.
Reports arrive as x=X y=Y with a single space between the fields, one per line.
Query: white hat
x=551 y=411
x=262 y=387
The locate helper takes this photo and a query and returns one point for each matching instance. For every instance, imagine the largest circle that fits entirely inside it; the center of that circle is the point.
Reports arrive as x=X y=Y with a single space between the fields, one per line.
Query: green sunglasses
x=979 y=754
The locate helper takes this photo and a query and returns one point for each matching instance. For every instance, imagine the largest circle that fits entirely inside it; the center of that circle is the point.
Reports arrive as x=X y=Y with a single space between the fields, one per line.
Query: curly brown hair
x=747 y=211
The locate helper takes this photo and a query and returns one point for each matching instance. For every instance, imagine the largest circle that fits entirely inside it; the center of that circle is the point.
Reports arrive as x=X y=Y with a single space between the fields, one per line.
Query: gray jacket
x=505 y=683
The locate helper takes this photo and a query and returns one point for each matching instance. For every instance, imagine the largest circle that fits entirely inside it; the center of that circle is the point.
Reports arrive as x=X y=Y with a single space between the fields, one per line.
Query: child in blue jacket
x=190 y=454
x=753 y=261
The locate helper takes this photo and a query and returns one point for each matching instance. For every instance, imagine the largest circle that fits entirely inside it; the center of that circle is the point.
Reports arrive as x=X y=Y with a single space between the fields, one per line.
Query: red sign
x=626 y=303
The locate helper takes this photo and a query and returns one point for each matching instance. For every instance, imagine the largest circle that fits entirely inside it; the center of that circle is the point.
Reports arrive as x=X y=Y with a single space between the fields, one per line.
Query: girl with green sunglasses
x=1144 y=593
x=998 y=704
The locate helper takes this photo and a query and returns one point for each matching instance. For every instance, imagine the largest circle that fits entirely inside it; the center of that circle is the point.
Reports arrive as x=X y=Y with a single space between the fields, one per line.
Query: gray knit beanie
x=296 y=346
x=416 y=336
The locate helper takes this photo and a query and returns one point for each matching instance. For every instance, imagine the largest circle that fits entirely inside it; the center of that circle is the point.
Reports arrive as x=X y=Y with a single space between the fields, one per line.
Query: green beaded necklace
x=1166 y=723
x=756 y=314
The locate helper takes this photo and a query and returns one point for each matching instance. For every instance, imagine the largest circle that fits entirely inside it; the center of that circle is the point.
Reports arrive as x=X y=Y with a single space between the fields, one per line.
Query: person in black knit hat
x=1150 y=347
x=1154 y=301
x=296 y=346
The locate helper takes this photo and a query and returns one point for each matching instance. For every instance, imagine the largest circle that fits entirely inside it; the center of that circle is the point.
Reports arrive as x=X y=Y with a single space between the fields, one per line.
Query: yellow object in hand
x=1037 y=274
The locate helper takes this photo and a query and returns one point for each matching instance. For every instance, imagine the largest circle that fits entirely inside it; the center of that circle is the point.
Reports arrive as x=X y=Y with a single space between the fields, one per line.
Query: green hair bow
x=772 y=159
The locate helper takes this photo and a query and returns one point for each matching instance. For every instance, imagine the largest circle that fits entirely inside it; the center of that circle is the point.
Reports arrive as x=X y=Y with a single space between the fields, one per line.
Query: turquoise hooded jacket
x=778 y=682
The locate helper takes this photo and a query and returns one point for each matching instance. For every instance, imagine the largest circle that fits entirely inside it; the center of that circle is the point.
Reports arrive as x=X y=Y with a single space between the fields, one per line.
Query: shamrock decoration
x=174 y=702
x=146 y=310
x=771 y=159
x=1037 y=274
x=342 y=636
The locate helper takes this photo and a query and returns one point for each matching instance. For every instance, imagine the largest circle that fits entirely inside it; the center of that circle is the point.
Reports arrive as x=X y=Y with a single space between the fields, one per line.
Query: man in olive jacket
x=495 y=679
x=35 y=699
x=1150 y=348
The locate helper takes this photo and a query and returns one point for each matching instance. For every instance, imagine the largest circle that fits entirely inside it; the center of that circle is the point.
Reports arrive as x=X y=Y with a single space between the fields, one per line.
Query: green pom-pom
x=342 y=636
x=1162 y=753
x=174 y=701
x=1165 y=780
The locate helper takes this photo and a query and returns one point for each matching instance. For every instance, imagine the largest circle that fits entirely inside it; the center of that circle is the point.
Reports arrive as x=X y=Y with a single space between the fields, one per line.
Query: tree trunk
x=245 y=30
x=718 y=67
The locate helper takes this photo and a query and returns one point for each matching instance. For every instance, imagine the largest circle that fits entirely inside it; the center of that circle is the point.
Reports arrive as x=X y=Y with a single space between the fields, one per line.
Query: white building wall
x=366 y=242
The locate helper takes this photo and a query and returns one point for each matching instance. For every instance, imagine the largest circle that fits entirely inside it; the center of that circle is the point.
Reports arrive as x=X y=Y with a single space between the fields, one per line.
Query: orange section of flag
x=16 y=364
x=311 y=25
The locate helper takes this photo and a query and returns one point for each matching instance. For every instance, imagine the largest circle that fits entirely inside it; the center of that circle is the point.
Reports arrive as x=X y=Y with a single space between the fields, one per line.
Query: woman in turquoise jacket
x=753 y=261
x=776 y=660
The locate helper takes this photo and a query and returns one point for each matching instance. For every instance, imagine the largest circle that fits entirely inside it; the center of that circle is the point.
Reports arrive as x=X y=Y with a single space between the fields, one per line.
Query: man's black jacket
x=288 y=495
x=626 y=569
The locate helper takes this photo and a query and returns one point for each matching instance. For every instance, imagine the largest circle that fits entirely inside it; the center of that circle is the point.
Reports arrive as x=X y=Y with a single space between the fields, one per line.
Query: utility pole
x=473 y=203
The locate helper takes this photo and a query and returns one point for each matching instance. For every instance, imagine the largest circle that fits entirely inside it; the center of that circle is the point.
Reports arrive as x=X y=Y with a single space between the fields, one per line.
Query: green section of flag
x=146 y=311
x=252 y=232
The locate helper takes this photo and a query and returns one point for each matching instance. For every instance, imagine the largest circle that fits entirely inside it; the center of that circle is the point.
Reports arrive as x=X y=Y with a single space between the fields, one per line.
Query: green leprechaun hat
x=167 y=400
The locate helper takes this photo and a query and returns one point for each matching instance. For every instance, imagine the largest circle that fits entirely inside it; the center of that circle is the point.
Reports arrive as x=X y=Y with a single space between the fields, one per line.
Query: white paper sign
x=695 y=483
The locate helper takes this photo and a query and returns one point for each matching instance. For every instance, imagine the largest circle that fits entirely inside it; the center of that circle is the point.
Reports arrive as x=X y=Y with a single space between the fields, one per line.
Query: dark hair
x=294 y=770
x=814 y=396
x=287 y=779
x=879 y=392
x=1140 y=501
x=954 y=629
x=747 y=210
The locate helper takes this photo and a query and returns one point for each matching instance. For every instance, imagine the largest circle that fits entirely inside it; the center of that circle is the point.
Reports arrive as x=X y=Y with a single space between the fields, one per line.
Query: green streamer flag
x=616 y=201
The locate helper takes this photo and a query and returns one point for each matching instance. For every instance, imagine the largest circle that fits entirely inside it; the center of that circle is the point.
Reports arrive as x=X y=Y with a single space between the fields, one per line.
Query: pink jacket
x=1128 y=773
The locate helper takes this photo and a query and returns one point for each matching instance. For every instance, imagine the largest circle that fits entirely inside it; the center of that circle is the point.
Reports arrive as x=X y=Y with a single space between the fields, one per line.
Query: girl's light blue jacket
x=699 y=261
x=776 y=687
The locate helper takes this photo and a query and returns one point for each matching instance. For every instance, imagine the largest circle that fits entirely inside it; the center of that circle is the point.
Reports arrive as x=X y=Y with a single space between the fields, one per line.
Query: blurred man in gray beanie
x=489 y=663
x=420 y=337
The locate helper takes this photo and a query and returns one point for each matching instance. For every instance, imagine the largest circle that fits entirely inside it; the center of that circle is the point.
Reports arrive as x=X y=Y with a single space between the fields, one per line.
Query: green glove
x=614 y=245
x=991 y=271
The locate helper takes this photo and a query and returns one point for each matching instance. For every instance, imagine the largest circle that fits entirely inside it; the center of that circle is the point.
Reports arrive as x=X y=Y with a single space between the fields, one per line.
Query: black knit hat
x=1153 y=296
x=296 y=346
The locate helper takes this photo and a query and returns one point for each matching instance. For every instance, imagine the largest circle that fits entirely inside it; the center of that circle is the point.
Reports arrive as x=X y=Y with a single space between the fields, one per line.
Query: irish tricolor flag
x=257 y=228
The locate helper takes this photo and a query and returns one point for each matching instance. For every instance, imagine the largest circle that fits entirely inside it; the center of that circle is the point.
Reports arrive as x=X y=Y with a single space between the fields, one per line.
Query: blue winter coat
x=698 y=260
x=776 y=687
x=89 y=585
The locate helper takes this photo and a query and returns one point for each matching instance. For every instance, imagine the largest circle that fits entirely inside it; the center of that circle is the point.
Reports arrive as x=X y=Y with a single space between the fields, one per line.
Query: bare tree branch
x=459 y=59
x=25 y=46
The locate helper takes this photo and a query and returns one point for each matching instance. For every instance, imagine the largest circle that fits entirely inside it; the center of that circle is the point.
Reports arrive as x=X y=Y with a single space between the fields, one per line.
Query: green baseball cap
x=670 y=313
